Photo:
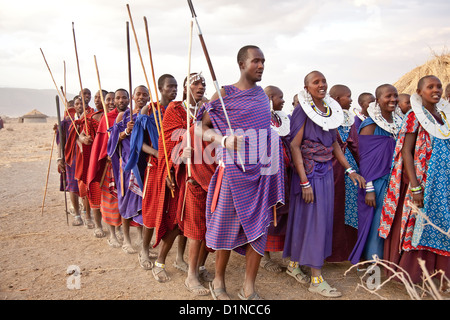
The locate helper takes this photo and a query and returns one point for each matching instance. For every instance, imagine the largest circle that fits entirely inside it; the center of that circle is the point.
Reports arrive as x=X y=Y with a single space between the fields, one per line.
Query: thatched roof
x=34 y=114
x=439 y=66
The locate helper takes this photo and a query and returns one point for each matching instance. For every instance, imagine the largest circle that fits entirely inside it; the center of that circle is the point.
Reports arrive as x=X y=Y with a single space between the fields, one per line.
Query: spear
x=48 y=172
x=213 y=75
x=188 y=100
x=57 y=90
x=157 y=102
x=62 y=143
x=129 y=71
x=79 y=77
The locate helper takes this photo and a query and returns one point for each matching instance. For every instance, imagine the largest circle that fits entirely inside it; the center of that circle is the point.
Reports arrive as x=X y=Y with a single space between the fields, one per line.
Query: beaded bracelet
x=416 y=189
x=125 y=131
x=349 y=171
x=370 y=187
x=305 y=184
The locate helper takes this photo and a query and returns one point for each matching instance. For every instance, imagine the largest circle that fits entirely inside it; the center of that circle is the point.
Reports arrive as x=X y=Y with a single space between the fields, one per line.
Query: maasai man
x=86 y=139
x=168 y=87
x=79 y=149
x=171 y=193
x=280 y=123
x=240 y=203
x=145 y=138
x=345 y=220
x=87 y=96
x=421 y=161
x=129 y=198
x=202 y=168
x=377 y=136
x=68 y=169
x=313 y=145
x=99 y=172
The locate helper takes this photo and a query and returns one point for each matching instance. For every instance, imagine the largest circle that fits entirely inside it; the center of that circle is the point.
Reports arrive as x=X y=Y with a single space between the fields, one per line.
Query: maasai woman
x=345 y=221
x=313 y=144
x=377 y=135
x=422 y=157
x=280 y=123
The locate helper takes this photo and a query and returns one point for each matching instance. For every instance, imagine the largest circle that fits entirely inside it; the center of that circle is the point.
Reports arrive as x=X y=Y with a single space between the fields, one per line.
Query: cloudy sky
x=360 y=43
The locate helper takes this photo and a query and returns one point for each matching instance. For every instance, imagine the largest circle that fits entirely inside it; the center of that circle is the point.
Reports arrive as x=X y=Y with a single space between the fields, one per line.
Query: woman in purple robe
x=313 y=144
x=377 y=135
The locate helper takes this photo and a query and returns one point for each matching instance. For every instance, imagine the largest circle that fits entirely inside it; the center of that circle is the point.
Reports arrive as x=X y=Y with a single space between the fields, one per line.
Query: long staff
x=79 y=77
x=48 y=172
x=59 y=93
x=151 y=99
x=143 y=67
x=129 y=71
x=157 y=102
x=105 y=114
x=101 y=96
x=213 y=75
x=188 y=100
x=61 y=144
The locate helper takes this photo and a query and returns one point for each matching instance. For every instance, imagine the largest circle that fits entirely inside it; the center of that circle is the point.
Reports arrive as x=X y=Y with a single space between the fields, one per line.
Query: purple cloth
x=252 y=193
x=130 y=204
x=375 y=152
x=310 y=226
x=71 y=182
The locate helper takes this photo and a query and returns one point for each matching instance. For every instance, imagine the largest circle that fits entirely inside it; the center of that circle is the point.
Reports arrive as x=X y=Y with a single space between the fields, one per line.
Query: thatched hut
x=439 y=66
x=33 y=116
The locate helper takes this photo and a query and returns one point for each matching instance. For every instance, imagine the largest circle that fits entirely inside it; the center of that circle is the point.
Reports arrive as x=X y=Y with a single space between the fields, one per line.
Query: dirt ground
x=38 y=248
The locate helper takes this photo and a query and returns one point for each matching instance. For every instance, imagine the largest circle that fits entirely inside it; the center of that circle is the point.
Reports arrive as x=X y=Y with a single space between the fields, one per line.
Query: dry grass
x=438 y=65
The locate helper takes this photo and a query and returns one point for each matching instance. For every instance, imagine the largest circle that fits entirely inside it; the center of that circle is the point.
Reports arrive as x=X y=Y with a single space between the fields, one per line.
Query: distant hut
x=33 y=116
x=439 y=66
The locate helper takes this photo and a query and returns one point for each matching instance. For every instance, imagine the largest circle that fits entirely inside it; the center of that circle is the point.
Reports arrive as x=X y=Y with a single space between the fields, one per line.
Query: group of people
x=328 y=183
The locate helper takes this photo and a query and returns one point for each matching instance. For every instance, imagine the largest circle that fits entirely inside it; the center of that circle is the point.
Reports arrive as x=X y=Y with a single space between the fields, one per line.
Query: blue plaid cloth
x=243 y=212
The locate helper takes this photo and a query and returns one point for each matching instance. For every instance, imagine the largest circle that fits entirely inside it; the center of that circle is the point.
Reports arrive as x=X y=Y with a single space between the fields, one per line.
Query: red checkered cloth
x=166 y=207
x=203 y=166
x=95 y=195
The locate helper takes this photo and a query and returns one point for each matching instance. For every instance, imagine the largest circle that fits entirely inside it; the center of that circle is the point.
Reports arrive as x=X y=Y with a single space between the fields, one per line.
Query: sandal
x=99 y=233
x=270 y=265
x=298 y=275
x=198 y=290
x=253 y=296
x=78 y=221
x=160 y=268
x=325 y=290
x=90 y=224
x=145 y=263
x=217 y=293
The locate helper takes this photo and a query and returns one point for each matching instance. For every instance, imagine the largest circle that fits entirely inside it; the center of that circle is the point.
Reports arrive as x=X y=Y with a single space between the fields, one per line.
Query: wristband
x=223 y=141
x=125 y=131
x=416 y=189
x=305 y=185
x=349 y=171
x=370 y=187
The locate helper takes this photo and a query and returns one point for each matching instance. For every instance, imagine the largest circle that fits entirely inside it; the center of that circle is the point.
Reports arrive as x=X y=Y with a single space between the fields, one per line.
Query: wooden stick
x=48 y=172
x=59 y=93
x=188 y=100
x=275 y=216
x=213 y=74
x=62 y=143
x=129 y=72
x=151 y=98
x=105 y=113
x=143 y=67
x=158 y=104
x=79 y=77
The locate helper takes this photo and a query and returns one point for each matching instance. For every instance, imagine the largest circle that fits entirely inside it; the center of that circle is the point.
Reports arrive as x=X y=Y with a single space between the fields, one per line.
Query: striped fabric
x=109 y=204
x=243 y=211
